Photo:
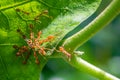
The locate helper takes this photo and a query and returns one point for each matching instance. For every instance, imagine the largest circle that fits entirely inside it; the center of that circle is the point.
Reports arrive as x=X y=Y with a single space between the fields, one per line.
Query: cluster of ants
x=35 y=44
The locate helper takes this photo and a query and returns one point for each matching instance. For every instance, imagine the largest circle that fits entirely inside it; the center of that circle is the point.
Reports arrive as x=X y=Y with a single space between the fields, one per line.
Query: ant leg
x=36 y=58
x=39 y=34
x=61 y=49
x=31 y=35
x=27 y=57
x=40 y=52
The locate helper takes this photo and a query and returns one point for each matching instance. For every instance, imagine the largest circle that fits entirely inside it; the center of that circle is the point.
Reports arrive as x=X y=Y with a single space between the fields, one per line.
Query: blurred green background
x=102 y=50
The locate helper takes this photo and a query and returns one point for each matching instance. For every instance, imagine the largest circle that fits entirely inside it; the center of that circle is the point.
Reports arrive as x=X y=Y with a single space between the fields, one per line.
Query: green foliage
x=63 y=16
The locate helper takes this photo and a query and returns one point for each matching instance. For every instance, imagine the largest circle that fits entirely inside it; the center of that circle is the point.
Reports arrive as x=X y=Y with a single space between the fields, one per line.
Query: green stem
x=91 y=29
x=85 y=34
x=84 y=66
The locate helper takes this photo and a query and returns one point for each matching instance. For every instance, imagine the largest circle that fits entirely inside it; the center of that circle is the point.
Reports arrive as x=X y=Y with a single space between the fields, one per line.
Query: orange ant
x=48 y=39
x=37 y=17
x=19 y=10
x=22 y=50
x=61 y=49
x=43 y=13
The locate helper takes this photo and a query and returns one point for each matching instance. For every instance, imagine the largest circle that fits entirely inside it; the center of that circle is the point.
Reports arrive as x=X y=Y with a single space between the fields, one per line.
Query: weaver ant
x=40 y=14
x=21 y=50
x=33 y=43
x=19 y=10
x=43 y=13
x=61 y=49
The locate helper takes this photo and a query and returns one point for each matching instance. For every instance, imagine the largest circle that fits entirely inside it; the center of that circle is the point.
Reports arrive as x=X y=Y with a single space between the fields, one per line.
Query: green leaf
x=63 y=16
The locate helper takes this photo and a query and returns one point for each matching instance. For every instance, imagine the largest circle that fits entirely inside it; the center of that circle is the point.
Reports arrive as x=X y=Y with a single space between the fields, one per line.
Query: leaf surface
x=63 y=16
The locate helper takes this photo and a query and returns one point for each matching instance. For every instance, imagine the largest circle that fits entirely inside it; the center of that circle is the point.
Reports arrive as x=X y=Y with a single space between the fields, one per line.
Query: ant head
x=31 y=26
x=23 y=36
x=18 y=30
x=15 y=46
